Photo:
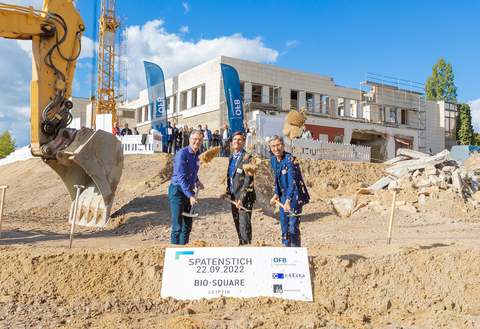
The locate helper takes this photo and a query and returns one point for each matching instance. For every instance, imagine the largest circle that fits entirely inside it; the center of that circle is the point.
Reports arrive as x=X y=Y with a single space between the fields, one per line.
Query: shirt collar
x=236 y=155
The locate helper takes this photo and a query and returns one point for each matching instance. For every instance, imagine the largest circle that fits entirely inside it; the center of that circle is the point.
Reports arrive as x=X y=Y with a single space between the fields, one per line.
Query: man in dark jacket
x=240 y=188
x=126 y=130
x=290 y=190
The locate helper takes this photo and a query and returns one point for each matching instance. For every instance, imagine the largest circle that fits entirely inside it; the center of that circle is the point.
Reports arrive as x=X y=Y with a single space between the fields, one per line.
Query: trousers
x=181 y=225
x=290 y=227
x=243 y=224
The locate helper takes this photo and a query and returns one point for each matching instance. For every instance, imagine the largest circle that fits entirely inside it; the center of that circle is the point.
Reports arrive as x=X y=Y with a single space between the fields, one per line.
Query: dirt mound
x=112 y=277
x=414 y=285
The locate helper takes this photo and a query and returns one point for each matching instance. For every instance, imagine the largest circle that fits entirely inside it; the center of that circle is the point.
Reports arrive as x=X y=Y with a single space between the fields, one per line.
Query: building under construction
x=384 y=114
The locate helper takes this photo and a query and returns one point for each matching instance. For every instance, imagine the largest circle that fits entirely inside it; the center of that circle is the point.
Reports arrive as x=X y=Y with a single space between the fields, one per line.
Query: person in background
x=290 y=190
x=115 y=129
x=306 y=134
x=226 y=139
x=126 y=130
x=170 y=140
x=245 y=127
x=216 y=140
x=186 y=135
x=94 y=127
x=179 y=137
x=135 y=131
x=181 y=191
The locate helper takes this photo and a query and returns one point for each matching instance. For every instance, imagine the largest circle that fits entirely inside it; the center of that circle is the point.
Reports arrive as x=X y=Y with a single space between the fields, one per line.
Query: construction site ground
x=428 y=277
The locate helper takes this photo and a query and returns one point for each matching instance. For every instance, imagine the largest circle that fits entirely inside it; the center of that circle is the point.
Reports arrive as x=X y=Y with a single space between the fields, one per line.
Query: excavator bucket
x=93 y=159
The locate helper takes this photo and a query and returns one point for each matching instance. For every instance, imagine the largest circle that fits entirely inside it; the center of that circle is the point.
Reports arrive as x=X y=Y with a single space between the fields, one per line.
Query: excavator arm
x=80 y=157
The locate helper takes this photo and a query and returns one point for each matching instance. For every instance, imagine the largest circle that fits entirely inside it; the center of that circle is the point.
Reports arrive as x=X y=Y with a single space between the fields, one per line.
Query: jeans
x=181 y=225
x=290 y=227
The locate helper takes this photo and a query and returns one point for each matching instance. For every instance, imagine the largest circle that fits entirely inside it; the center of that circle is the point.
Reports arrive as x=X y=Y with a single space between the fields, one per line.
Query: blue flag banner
x=156 y=97
x=233 y=94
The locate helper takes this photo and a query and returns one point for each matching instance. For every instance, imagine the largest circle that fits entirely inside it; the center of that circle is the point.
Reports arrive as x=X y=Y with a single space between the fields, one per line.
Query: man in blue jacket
x=181 y=191
x=290 y=190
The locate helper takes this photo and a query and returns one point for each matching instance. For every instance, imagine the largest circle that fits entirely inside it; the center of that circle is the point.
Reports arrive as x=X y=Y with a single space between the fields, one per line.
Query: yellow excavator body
x=80 y=157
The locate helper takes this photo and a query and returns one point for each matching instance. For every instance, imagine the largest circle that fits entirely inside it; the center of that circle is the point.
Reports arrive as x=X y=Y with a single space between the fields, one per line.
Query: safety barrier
x=313 y=150
x=132 y=144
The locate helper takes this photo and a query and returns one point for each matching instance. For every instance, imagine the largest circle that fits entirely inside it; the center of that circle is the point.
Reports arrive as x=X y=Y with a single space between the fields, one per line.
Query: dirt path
x=426 y=278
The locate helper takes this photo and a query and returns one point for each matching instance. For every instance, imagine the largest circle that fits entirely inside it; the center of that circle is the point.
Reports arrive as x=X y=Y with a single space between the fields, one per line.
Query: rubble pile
x=420 y=177
x=421 y=171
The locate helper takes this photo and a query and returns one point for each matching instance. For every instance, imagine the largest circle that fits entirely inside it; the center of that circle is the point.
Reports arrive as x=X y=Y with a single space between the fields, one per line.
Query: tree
x=464 y=129
x=440 y=86
x=7 y=144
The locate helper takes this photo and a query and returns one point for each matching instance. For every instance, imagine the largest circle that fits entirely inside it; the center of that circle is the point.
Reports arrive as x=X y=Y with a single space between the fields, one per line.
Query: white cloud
x=89 y=48
x=187 y=7
x=475 y=110
x=151 y=42
x=184 y=29
x=292 y=43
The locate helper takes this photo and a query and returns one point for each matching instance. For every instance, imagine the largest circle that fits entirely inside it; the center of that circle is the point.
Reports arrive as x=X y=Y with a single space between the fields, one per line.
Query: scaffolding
x=392 y=94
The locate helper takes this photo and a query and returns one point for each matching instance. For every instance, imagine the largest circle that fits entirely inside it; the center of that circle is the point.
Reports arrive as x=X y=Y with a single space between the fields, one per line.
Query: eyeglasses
x=196 y=139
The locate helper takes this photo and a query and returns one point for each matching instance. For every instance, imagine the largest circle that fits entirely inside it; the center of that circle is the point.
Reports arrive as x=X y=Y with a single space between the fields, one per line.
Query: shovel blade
x=94 y=160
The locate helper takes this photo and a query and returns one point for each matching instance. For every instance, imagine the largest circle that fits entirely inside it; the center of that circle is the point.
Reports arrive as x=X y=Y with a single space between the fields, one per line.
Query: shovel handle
x=281 y=205
x=196 y=197
x=236 y=204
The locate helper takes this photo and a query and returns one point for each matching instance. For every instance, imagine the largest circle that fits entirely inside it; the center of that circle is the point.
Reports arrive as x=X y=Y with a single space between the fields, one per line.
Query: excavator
x=93 y=159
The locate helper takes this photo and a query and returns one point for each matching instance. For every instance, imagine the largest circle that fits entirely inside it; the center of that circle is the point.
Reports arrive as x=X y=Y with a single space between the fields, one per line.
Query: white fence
x=20 y=154
x=132 y=144
x=313 y=150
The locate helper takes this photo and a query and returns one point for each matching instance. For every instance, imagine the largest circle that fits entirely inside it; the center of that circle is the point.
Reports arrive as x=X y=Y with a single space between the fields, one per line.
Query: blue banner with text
x=156 y=97
x=233 y=94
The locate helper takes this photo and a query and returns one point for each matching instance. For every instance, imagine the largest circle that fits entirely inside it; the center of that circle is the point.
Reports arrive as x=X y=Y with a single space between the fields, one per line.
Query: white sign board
x=104 y=122
x=194 y=273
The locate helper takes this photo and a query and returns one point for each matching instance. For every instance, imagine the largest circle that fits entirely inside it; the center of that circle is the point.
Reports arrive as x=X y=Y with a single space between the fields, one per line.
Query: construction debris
x=420 y=171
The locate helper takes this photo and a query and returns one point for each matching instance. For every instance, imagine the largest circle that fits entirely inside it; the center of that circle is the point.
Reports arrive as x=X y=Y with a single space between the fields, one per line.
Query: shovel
x=241 y=207
x=191 y=214
x=292 y=214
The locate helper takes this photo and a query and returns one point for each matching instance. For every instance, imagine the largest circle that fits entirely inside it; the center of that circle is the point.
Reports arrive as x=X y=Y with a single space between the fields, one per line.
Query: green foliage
x=476 y=139
x=7 y=144
x=440 y=86
x=465 y=132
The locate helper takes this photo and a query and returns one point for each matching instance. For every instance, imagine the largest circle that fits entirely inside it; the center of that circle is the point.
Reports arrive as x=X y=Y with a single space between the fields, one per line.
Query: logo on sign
x=277 y=275
x=277 y=288
x=180 y=253
x=279 y=260
x=160 y=105
x=294 y=276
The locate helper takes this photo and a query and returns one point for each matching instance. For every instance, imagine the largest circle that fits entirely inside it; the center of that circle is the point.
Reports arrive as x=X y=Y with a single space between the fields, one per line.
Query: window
x=172 y=103
x=194 y=97
x=294 y=99
x=309 y=101
x=256 y=93
x=183 y=100
x=450 y=121
x=341 y=111
x=393 y=115
x=273 y=95
x=338 y=139
x=203 y=95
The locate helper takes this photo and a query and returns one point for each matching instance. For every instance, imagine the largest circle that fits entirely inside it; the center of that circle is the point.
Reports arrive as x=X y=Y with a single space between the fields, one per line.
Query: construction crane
x=107 y=93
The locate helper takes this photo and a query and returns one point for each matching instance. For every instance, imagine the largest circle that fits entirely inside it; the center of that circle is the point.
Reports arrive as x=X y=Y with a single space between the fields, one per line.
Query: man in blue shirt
x=290 y=190
x=240 y=188
x=182 y=188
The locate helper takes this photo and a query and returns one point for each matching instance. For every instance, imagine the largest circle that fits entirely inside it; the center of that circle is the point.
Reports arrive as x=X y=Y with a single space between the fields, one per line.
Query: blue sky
x=340 y=39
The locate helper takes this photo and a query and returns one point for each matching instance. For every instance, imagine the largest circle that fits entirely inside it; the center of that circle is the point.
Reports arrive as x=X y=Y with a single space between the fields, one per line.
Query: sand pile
x=414 y=285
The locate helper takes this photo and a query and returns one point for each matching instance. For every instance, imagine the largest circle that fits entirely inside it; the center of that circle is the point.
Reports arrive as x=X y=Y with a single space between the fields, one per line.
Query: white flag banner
x=194 y=273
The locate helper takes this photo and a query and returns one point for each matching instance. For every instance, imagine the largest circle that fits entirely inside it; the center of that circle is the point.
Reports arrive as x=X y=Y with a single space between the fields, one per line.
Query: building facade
x=384 y=113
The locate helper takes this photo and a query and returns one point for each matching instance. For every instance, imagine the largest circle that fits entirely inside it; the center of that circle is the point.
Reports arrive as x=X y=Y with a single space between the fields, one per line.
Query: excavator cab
x=85 y=157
